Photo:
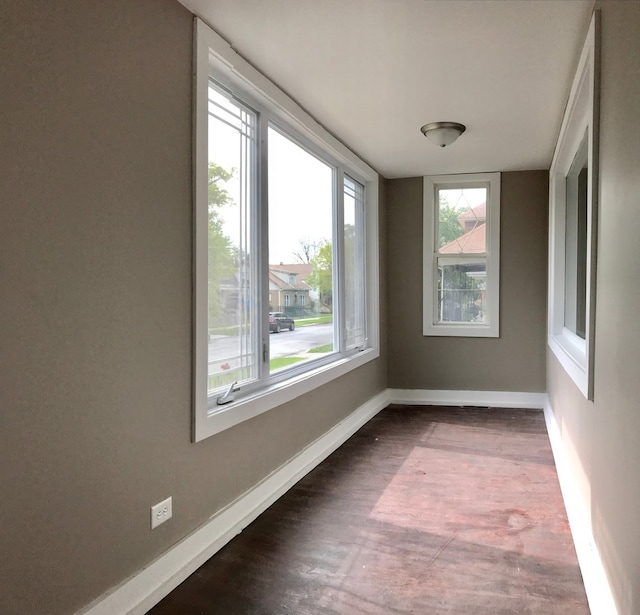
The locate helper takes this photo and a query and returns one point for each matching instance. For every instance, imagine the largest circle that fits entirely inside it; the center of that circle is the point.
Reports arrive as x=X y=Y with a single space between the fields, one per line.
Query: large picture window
x=573 y=188
x=285 y=251
x=461 y=255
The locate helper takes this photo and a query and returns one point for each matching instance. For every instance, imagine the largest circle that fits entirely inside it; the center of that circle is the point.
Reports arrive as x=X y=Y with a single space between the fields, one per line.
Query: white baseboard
x=494 y=399
x=146 y=588
x=138 y=594
x=595 y=579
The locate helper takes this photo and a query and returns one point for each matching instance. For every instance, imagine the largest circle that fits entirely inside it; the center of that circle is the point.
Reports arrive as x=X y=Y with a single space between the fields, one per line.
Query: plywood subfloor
x=425 y=510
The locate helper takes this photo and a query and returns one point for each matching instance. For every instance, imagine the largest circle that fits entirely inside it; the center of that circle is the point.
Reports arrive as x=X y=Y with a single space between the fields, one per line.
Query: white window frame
x=581 y=116
x=431 y=326
x=214 y=56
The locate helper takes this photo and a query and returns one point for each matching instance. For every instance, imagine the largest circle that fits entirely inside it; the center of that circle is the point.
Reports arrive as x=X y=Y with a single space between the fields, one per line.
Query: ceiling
x=373 y=72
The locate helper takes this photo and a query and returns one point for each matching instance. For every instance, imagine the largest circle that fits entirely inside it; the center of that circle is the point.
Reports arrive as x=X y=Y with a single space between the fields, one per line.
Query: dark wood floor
x=425 y=510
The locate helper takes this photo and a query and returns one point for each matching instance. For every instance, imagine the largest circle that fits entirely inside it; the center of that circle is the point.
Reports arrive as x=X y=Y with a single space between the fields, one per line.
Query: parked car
x=279 y=321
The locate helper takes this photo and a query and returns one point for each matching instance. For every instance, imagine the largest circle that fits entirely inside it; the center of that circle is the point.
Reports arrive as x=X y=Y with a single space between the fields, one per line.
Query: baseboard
x=595 y=579
x=495 y=399
x=139 y=593
x=145 y=589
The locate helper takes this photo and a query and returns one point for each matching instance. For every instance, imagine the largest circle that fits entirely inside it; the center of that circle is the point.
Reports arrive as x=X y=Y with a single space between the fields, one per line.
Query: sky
x=300 y=185
x=300 y=199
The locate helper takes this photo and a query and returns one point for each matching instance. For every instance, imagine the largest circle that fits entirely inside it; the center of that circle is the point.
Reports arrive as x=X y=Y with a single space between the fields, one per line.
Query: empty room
x=314 y=307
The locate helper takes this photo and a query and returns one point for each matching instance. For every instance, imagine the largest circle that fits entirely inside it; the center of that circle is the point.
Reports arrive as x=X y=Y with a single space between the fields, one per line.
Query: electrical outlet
x=161 y=512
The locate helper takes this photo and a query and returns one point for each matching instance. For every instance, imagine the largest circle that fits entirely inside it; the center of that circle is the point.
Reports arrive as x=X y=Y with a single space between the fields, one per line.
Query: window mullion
x=262 y=232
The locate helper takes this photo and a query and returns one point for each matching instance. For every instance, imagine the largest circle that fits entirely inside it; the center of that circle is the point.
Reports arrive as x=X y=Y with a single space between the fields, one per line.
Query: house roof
x=283 y=285
x=472 y=242
x=479 y=212
x=301 y=269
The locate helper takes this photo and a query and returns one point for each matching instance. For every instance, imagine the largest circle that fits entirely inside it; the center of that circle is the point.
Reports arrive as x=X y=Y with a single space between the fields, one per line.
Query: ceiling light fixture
x=443 y=133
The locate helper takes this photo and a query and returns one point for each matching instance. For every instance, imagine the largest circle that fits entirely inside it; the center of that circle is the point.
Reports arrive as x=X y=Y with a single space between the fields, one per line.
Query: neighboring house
x=473 y=241
x=288 y=290
x=231 y=292
x=462 y=283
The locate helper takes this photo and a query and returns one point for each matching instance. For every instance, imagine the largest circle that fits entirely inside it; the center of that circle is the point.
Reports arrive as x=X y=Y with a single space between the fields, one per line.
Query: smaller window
x=286 y=300
x=461 y=255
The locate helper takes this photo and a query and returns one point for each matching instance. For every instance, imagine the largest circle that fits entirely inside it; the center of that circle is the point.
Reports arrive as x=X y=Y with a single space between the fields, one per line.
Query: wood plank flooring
x=425 y=510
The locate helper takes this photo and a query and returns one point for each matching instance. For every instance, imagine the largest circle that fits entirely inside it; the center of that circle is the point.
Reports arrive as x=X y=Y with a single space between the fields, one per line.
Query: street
x=224 y=349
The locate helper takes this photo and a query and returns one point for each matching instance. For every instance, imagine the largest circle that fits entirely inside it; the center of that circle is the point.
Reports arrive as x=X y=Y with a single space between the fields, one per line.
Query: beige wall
x=95 y=306
x=603 y=437
x=516 y=360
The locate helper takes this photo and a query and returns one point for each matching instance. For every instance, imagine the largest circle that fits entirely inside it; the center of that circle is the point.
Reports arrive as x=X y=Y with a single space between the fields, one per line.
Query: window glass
x=232 y=287
x=461 y=231
x=462 y=220
x=462 y=291
x=354 y=264
x=301 y=248
x=575 y=291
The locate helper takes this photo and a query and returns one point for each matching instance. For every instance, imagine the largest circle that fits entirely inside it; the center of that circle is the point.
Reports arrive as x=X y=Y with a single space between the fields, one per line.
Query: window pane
x=301 y=280
x=462 y=220
x=232 y=320
x=575 y=296
x=354 y=276
x=462 y=290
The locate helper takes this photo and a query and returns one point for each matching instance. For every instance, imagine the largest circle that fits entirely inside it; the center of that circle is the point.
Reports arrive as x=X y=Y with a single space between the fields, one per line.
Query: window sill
x=220 y=418
x=572 y=360
x=461 y=330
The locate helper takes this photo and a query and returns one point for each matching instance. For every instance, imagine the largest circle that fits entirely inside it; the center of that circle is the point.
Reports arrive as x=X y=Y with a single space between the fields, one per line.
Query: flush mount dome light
x=443 y=133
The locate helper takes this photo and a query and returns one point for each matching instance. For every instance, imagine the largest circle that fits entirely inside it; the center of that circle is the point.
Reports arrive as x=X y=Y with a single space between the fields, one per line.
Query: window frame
x=490 y=328
x=581 y=117
x=213 y=56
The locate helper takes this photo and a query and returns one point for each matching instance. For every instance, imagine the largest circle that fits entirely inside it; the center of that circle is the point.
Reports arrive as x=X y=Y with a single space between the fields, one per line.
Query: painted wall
x=95 y=306
x=516 y=360
x=602 y=439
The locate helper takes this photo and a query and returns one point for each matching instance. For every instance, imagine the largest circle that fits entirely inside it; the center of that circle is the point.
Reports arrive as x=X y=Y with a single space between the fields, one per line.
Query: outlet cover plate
x=161 y=512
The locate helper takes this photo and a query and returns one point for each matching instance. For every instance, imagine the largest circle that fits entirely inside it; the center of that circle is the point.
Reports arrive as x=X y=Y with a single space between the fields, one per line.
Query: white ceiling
x=374 y=71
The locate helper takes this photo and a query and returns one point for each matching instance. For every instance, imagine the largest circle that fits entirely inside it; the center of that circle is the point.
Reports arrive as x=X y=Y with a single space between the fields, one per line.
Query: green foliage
x=218 y=195
x=280 y=362
x=322 y=349
x=449 y=228
x=316 y=320
x=321 y=277
x=221 y=251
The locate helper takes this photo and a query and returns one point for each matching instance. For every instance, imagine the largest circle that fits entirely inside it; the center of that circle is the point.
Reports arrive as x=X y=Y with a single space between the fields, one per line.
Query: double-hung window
x=461 y=252
x=285 y=250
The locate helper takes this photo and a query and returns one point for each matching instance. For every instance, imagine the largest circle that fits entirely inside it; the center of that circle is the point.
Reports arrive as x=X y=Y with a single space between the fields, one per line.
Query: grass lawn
x=315 y=320
x=281 y=362
x=325 y=348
